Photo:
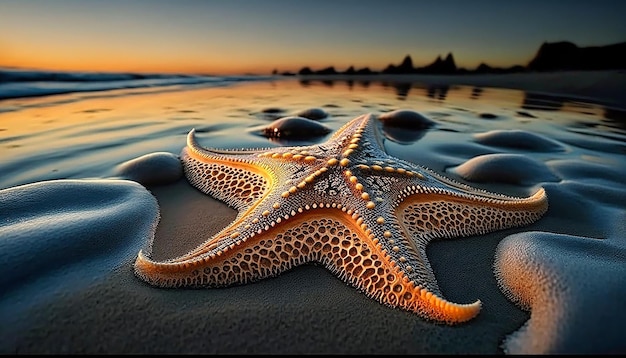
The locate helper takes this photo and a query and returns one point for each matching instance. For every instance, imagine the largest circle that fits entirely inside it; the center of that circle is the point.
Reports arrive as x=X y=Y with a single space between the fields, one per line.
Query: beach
x=74 y=215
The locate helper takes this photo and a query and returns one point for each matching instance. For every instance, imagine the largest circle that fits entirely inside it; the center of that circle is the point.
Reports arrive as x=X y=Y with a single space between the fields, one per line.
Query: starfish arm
x=423 y=217
x=334 y=238
x=429 y=214
x=226 y=176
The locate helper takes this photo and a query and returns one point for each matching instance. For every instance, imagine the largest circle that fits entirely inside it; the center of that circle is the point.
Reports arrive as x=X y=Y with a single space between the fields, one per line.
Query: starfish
x=346 y=204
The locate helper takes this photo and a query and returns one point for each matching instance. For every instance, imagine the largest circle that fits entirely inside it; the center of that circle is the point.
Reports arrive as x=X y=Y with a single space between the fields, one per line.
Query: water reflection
x=402 y=89
x=437 y=92
x=542 y=102
x=114 y=126
x=616 y=117
x=529 y=101
x=476 y=92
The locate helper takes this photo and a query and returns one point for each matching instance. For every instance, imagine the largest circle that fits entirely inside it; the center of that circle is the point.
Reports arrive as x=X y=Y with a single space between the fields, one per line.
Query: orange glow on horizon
x=90 y=58
x=134 y=65
x=225 y=67
x=233 y=66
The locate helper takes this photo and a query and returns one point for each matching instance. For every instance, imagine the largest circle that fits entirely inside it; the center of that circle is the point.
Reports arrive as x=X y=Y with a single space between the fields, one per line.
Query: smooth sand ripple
x=151 y=169
x=519 y=139
x=574 y=287
x=57 y=236
x=505 y=168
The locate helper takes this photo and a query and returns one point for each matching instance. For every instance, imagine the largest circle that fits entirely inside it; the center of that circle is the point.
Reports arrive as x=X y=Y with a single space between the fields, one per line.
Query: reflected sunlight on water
x=85 y=135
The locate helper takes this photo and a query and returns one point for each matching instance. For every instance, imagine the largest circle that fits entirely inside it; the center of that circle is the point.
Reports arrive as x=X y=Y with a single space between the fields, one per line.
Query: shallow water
x=86 y=135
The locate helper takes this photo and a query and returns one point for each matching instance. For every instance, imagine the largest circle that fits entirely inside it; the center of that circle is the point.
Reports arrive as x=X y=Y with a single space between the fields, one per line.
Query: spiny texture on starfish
x=346 y=204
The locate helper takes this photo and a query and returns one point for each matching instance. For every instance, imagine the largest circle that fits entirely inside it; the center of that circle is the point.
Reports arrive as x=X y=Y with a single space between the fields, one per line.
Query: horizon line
x=279 y=72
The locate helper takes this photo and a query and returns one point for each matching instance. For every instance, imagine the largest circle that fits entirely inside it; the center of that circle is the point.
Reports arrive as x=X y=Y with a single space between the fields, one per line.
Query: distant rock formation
x=305 y=71
x=447 y=66
x=567 y=56
x=485 y=68
x=327 y=71
x=405 y=67
x=390 y=69
x=550 y=57
x=439 y=66
x=365 y=71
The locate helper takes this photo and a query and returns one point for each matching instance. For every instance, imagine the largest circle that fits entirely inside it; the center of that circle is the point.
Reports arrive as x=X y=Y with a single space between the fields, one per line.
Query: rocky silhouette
x=567 y=56
x=364 y=71
x=555 y=56
x=440 y=66
x=405 y=67
x=305 y=71
x=485 y=68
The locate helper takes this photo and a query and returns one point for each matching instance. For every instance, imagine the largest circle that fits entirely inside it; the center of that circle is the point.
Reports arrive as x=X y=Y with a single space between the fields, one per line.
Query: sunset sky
x=257 y=36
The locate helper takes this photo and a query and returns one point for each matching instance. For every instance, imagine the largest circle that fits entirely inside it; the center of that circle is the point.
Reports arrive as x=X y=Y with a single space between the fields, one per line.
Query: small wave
x=16 y=83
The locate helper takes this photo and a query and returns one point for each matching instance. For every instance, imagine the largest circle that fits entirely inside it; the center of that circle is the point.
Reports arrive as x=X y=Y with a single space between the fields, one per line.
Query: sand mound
x=574 y=288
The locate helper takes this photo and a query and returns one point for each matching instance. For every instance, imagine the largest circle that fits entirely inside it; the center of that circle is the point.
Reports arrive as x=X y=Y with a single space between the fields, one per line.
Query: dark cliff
x=567 y=56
